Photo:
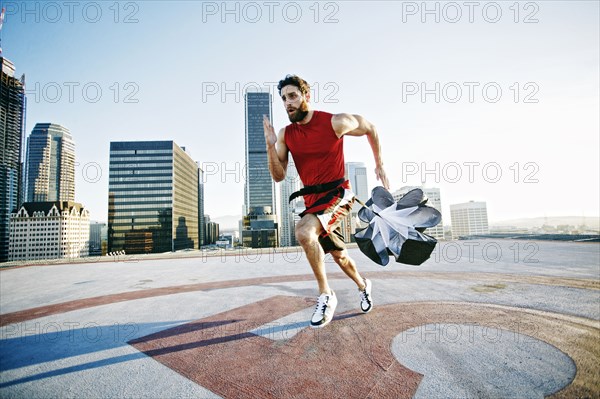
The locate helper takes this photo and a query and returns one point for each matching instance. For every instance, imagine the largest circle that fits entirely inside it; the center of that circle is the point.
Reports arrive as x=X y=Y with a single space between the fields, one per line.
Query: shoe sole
x=327 y=322
x=322 y=324
x=319 y=325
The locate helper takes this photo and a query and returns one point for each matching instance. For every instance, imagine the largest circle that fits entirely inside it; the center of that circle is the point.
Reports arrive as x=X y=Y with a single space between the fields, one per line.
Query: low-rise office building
x=49 y=230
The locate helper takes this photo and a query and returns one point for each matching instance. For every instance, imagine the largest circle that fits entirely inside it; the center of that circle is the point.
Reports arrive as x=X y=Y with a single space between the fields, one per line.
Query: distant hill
x=228 y=222
x=592 y=222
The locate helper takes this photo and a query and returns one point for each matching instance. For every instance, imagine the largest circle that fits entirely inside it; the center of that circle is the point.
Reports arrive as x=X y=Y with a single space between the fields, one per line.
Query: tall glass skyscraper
x=50 y=164
x=153 y=197
x=260 y=187
x=260 y=228
x=12 y=128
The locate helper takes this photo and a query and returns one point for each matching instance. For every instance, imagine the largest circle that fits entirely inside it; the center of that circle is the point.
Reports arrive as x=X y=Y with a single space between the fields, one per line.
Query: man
x=315 y=140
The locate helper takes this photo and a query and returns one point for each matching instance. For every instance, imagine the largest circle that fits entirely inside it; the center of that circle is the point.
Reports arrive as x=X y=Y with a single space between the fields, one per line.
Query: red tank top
x=317 y=151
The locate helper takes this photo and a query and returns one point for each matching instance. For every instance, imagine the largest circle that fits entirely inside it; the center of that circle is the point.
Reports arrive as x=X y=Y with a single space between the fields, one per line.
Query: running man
x=316 y=141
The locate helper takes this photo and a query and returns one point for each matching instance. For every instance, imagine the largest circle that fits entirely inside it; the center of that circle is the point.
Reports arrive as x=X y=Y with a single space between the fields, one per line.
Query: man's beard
x=300 y=113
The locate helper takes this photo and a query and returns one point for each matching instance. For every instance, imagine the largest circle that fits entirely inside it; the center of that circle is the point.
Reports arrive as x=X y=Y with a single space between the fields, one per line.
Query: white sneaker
x=326 y=305
x=366 y=302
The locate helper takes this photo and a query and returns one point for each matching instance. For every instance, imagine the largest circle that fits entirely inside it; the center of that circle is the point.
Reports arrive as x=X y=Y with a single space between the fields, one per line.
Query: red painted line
x=42 y=311
x=48 y=310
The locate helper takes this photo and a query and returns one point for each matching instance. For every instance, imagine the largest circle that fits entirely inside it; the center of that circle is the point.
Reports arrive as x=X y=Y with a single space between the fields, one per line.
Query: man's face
x=296 y=105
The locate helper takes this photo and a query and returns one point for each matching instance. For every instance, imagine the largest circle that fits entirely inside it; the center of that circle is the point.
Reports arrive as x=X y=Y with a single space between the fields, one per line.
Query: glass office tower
x=259 y=190
x=152 y=199
x=260 y=187
x=50 y=164
x=12 y=127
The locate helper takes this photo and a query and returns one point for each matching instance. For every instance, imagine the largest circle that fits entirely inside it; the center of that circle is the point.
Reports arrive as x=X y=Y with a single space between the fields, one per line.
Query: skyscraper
x=153 y=197
x=50 y=164
x=259 y=188
x=12 y=127
x=260 y=220
x=288 y=186
x=469 y=218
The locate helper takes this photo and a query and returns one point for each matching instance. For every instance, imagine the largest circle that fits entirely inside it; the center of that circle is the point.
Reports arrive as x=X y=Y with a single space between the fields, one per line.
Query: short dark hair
x=294 y=80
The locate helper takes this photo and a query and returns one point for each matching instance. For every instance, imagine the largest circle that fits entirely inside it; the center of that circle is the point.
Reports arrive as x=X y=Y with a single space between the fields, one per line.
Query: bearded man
x=316 y=141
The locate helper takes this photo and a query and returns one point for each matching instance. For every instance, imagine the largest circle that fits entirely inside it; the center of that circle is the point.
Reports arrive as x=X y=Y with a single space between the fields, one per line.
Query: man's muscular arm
x=356 y=125
x=277 y=151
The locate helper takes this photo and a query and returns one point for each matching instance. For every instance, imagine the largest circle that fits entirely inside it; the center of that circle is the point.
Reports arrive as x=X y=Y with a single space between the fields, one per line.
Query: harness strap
x=317 y=188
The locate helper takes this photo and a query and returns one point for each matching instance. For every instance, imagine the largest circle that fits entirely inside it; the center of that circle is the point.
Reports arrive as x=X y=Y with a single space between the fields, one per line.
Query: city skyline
x=521 y=152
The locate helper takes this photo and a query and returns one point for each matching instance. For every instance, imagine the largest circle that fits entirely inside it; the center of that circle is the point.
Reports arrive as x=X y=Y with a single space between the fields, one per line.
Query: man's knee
x=307 y=230
x=305 y=236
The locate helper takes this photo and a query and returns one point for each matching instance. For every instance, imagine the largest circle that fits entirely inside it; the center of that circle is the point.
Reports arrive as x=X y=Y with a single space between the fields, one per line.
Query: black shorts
x=334 y=241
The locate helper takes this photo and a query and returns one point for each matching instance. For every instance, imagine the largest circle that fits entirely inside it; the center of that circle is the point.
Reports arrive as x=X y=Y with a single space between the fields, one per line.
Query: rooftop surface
x=486 y=318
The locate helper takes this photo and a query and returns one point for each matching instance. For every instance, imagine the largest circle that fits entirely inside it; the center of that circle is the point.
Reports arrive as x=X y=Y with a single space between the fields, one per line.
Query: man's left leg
x=348 y=266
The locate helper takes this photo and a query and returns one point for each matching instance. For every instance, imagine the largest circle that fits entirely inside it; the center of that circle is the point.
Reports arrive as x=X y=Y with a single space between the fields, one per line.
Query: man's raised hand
x=270 y=136
x=382 y=177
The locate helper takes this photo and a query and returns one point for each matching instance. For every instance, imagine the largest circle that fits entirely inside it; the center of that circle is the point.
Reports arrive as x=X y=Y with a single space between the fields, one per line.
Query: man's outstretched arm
x=277 y=151
x=356 y=125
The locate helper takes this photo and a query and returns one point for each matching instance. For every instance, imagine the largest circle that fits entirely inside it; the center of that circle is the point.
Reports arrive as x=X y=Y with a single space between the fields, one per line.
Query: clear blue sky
x=369 y=58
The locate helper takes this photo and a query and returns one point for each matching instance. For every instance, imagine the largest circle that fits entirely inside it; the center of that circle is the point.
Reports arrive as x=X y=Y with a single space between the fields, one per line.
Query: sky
x=488 y=101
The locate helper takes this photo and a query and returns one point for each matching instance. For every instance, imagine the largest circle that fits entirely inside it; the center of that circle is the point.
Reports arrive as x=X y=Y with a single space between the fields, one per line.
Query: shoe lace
x=321 y=304
x=364 y=297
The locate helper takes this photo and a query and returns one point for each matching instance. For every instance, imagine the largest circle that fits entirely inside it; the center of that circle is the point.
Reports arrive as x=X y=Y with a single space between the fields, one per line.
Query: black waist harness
x=317 y=188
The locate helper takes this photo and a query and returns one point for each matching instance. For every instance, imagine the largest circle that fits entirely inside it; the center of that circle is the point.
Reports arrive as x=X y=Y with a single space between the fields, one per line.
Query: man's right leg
x=307 y=234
